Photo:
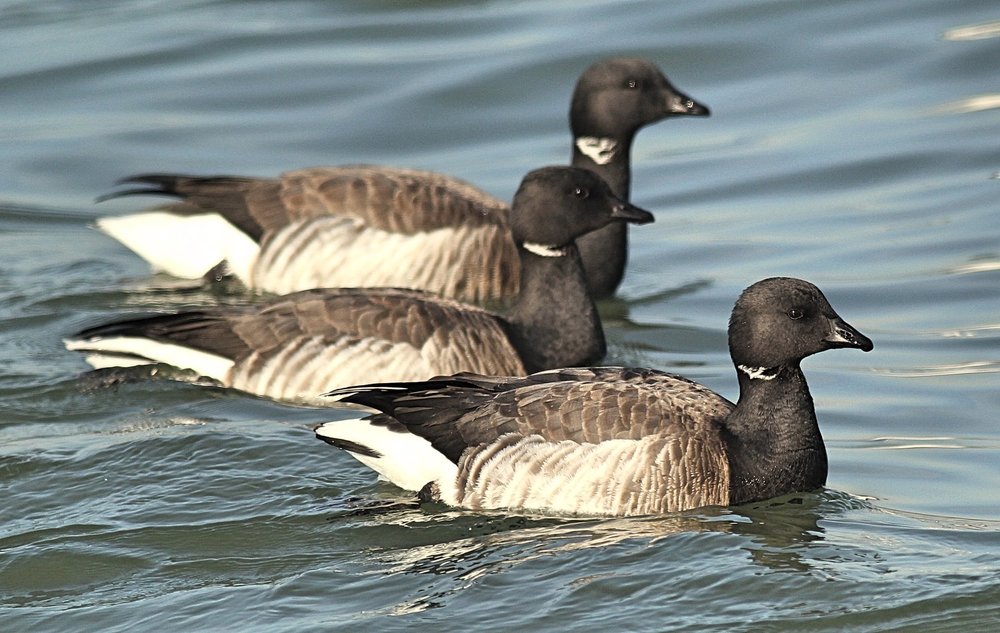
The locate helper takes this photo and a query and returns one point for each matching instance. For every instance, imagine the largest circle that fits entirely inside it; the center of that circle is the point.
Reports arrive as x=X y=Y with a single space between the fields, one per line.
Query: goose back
x=300 y=345
x=581 y=441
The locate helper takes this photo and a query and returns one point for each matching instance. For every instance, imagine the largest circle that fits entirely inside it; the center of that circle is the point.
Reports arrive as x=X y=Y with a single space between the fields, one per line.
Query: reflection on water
x=787 y=535
x=777 y=534
x=787 y=539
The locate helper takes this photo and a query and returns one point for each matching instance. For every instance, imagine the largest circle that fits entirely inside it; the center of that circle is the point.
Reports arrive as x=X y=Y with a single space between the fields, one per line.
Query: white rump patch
x=185 y=246
x=104 y=361
x=407 y=460
x=105 y=349
x=599 y=150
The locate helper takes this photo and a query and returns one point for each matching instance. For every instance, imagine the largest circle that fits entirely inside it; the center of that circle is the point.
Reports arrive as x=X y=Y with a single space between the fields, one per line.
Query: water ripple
x=983 y=266
x=852 y=155
x=981 y=31
x=953 y=369
x=978 y=103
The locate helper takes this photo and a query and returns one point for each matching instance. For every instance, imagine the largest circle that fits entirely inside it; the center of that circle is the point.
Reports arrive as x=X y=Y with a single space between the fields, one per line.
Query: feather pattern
x=476 y=262
x=650 y=475
x=298 y=346
x=586 y=405
x=595 y=440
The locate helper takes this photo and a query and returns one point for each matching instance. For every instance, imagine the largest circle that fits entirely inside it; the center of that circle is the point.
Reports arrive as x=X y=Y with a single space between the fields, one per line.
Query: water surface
x=853 y=144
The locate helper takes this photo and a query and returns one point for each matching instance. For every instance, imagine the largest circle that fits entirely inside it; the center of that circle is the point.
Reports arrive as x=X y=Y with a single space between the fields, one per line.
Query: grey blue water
x=853 y=144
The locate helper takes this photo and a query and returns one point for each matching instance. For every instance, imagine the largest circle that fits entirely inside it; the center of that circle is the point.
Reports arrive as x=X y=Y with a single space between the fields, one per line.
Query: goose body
x=611 y=440
x=365 y=226
x=297 y=346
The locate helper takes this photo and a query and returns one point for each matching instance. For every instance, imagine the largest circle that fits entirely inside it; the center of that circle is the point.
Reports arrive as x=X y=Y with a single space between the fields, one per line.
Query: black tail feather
x=349 y=446
x=201 y=330
x=124 y=193
x=155 y=185
x=149 y=326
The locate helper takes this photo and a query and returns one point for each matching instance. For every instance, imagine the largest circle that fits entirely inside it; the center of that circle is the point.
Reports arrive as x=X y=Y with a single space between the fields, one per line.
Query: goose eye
x=581 y=193
x=632 y=84
x=795 y=314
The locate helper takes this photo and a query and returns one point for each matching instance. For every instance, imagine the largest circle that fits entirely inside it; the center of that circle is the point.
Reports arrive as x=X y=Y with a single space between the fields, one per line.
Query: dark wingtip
x=347 y=445
x=149 y=178
x=129 y=192
x=155 y=185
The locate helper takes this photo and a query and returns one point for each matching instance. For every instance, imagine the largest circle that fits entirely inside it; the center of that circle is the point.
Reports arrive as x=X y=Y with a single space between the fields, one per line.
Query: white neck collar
x=543 y=250
x=759 y=373
x=599 y=150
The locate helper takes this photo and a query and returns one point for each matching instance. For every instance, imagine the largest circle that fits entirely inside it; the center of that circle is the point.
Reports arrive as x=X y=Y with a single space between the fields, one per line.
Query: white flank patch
x=339 y=252
x=407 y=460
x=185 y=246
x=181 y=357
x=544 y=251
x=615 y=477
x=758 y=373
x=305 y=368
x=599 y=150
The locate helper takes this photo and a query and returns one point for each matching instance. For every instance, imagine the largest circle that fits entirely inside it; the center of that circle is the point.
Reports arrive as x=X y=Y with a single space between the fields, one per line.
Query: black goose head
x=555 y=205
x=617 y=96
x=779 y=321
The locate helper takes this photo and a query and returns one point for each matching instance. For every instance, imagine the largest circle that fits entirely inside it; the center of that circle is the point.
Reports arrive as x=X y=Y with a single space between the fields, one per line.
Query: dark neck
x=615 y=169
x=553 y=322
x=604 y=252
x=773 y=440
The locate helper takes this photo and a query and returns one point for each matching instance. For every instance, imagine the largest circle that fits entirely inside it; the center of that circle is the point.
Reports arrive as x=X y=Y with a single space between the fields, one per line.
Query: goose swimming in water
x=376 y=226
x=298 y=346
x=614 y=441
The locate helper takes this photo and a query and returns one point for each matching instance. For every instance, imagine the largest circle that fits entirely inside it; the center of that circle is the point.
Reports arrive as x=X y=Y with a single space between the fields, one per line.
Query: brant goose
x=297 y=346
x=375 y=226
x=609 y=440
